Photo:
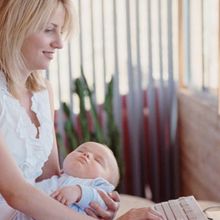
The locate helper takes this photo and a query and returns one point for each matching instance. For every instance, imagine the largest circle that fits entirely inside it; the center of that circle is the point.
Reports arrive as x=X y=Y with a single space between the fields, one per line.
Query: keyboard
x=183 y=208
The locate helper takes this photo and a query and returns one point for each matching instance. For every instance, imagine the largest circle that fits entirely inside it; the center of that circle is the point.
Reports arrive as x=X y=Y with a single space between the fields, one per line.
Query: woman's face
x=39 y=48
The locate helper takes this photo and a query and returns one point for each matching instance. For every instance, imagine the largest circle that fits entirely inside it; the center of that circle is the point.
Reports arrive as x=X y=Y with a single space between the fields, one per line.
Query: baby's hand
x=67 y=195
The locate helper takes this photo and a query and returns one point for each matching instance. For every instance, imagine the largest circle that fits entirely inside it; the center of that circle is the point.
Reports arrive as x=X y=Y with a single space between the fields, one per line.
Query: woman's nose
x=58 y=42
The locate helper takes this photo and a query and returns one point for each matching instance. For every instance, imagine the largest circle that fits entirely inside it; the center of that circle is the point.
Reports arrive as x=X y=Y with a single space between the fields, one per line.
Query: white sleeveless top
x=29 y=152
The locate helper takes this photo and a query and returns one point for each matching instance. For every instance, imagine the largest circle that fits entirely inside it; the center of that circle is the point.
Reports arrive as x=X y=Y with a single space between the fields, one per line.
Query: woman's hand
x=111 y=201
x=141 y=214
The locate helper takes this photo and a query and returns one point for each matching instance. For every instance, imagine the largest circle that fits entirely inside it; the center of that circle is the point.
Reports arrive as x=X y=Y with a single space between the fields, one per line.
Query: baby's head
x=91 y=160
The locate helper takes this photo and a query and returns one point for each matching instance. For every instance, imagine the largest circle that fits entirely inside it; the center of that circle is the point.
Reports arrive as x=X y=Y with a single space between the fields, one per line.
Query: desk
x=128 y=202
x=211 y=213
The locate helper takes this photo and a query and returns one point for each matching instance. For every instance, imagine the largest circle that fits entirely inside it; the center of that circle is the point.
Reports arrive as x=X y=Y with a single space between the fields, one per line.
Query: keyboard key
x=168 y=212
x=177 y=210
x=193 y=211
x=159 y=208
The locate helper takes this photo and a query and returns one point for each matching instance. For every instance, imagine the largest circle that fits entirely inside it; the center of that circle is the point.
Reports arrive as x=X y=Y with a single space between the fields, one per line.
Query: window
x=201 y=45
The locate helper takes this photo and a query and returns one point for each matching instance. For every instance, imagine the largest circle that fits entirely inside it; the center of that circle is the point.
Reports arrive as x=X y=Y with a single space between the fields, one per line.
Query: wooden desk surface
x=211 y=213
x=128 y=202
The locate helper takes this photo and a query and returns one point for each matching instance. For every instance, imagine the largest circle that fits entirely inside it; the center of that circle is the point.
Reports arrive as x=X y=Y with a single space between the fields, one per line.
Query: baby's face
x=90 y=160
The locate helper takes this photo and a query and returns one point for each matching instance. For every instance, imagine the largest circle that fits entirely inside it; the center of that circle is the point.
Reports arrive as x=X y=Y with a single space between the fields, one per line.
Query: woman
x=31 y=32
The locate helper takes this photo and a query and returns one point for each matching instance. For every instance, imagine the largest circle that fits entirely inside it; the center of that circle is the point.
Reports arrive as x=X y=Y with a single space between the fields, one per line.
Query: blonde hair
x=18 y=18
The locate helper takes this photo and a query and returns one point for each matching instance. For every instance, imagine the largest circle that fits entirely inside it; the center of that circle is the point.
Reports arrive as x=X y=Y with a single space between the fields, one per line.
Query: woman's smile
x=49 y=54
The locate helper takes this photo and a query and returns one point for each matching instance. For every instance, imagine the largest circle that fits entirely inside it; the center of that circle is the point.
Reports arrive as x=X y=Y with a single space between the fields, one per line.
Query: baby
x=90 y=167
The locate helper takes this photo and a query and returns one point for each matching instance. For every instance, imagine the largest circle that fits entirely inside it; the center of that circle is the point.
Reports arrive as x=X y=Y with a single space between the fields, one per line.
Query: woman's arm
x=24 y=197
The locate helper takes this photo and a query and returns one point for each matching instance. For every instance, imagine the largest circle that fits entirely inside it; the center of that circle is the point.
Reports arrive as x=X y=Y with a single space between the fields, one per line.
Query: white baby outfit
x=20 y=134
x=88 y=187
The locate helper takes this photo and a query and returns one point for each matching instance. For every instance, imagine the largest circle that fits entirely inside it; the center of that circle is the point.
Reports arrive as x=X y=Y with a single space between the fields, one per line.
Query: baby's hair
x=115 y=180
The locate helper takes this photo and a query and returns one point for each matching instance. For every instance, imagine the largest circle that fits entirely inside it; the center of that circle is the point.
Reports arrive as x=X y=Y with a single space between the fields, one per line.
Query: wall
x=199 y=129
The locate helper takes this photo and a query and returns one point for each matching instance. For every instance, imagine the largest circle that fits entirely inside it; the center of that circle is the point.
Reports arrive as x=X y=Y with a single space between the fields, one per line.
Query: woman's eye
x=49 y=30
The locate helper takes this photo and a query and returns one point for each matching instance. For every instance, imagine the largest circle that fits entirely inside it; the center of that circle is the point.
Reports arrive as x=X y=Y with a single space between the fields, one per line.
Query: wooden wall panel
x=199 y=132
